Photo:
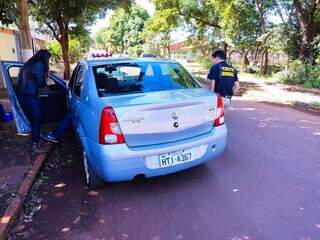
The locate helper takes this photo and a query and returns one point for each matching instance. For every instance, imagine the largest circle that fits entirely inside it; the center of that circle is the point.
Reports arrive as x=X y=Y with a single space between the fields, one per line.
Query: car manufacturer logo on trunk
x=175 y=115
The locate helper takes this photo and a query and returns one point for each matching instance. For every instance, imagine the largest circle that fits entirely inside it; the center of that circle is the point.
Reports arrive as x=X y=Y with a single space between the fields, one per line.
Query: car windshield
x=128 y=78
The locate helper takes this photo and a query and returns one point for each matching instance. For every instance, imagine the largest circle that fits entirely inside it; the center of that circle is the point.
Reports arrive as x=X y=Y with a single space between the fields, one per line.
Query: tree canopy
x=247 y=26
x=8 y=12
x=62 y=18
x=124 y=33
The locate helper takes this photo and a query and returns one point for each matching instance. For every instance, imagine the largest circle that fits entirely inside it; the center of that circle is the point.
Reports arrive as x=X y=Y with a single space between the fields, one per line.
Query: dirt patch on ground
x=15 y=160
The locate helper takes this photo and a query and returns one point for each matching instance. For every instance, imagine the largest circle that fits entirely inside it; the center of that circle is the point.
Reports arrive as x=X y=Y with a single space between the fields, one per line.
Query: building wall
x=10 y=47
x=8 y=50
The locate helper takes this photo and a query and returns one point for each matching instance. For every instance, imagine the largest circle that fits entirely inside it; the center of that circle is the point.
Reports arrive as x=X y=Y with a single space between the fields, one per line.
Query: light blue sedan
x=134 y=117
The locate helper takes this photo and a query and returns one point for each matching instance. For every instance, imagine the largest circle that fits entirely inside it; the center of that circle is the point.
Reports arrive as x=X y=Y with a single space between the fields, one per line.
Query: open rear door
x=53 y=97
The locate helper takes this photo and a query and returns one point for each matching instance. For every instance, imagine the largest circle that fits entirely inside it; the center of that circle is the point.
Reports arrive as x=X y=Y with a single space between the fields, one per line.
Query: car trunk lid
x=162 y=117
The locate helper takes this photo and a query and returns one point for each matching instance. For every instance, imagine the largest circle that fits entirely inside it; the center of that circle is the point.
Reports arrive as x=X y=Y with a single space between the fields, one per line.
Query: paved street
x=266 y=186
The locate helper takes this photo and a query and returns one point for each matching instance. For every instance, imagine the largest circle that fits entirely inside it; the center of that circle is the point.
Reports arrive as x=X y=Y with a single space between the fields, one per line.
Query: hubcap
x=85 y=163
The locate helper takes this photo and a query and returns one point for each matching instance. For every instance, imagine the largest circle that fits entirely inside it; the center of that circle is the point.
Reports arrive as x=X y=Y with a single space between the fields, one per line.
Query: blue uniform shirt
x=225 y=76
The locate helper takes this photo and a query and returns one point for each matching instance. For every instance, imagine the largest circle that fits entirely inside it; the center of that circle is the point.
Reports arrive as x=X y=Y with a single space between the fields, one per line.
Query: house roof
x=13 y=31
x=182 y=45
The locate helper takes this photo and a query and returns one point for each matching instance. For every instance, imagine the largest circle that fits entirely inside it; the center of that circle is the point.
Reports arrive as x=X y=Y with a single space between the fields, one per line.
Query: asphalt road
x=265 y=186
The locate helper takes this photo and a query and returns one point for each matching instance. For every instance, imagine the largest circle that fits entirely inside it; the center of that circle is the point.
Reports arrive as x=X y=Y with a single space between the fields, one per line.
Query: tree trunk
x=225 y=47
x=64 y=42
x=65 y=56
x=263 y=29
x=256 y=56
x=244 y=61
x=24 y=30
x=230 y=53
x=169 y=53
x=306 y=45
x=307 y=25
x=264 y=62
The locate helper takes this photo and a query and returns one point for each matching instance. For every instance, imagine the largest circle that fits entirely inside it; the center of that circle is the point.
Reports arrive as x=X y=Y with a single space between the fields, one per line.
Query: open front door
x=53 y=97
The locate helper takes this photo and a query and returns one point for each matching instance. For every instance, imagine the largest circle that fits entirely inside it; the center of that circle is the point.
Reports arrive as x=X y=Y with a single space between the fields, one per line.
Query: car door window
x=13 y=73
x=51 y=86
x=52 y=96
x=78 y=82
x=73 y=76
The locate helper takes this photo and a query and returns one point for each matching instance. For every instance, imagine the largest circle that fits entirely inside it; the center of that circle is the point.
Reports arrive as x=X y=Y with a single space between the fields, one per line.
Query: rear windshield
x=128 y=78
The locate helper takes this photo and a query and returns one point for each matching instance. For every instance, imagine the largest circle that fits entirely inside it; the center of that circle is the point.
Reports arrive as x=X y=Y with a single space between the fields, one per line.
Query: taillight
x=220 y=112
x=109 y=131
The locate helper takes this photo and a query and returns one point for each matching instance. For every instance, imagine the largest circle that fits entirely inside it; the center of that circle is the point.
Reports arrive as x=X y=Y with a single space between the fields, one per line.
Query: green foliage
x=76 y=51
x=64 y=18
x=284 y=38
x=305 y=75
x=204 y=62
x=169 y=13
x=124 y=32
x=8 y=12
x=55 y=49
x=240 y=23
x=74 y=15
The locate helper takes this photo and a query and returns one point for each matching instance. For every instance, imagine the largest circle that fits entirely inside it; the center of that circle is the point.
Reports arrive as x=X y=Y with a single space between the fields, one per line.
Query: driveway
x=265 y=186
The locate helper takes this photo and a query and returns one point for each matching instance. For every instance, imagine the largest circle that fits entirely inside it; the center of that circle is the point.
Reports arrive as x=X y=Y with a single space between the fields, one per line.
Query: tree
x=308 y=12
x=240 y=24
x=76 y=50
x=24 y=30
x=124 y=33
x=62 y=18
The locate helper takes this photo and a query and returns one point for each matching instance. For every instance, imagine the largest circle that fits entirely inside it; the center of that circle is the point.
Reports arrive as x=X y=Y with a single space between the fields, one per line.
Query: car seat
x=111 y=85
x=101 y=79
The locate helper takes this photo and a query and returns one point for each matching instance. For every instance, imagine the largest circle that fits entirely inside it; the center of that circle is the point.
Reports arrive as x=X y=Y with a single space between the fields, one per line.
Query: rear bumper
x=120 y=163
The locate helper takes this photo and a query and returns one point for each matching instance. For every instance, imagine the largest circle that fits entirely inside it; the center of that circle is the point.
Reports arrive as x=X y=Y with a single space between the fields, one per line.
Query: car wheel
x=92 y=179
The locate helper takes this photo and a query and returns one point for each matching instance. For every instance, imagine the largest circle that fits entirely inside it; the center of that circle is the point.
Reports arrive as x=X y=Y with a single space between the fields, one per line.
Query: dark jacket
x=31 y=78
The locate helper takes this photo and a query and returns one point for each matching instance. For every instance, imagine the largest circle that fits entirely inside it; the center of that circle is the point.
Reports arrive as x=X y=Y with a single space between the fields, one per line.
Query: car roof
x=96 y=62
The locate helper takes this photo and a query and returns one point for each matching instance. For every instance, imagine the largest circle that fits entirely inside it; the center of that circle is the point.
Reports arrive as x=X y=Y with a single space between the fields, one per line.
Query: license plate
x=175 y=158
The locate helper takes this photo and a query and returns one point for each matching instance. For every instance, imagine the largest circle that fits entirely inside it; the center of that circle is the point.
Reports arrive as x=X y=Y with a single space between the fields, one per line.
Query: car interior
x=53 y=97
x=126 y=78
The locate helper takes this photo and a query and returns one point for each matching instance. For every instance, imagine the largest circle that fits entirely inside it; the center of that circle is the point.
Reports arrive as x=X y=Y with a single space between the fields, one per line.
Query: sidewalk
x=265 y=90
x=259 y=89
x=15 y=160
x=17 y=170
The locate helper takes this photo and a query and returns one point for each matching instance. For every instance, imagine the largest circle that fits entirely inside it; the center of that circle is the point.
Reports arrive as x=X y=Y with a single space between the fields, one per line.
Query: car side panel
x=88 y=116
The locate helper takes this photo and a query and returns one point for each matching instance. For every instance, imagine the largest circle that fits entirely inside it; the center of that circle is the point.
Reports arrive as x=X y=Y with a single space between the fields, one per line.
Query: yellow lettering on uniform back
x=227 y=74
x=227 y=69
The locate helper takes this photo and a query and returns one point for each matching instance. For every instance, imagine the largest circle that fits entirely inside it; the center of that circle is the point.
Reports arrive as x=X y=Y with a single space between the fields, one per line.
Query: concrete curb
x=14 y=208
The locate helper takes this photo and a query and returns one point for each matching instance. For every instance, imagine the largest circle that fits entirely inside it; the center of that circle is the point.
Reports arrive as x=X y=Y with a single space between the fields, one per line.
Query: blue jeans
x=31 y=107
x=66 y=122
x=2 y=112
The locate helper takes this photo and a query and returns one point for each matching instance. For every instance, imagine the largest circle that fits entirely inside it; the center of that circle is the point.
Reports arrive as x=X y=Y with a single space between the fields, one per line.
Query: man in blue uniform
x=223 y=77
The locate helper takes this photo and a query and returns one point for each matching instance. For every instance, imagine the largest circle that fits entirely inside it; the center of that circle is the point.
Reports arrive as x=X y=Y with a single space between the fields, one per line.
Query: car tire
x=92 y=179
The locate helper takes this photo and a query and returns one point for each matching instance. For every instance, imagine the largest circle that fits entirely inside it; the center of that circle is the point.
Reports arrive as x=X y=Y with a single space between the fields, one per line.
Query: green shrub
x=204 y=62
x=271 y=69
x=75 y=51
x=305 y=75
x=55 y=50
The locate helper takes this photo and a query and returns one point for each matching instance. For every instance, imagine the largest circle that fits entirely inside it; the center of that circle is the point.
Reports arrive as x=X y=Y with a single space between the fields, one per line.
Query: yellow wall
x=7 y=43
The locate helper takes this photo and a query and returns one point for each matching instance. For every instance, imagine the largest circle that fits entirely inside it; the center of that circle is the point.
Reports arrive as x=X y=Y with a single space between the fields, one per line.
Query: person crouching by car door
x=33 y=76
x=223 y=77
